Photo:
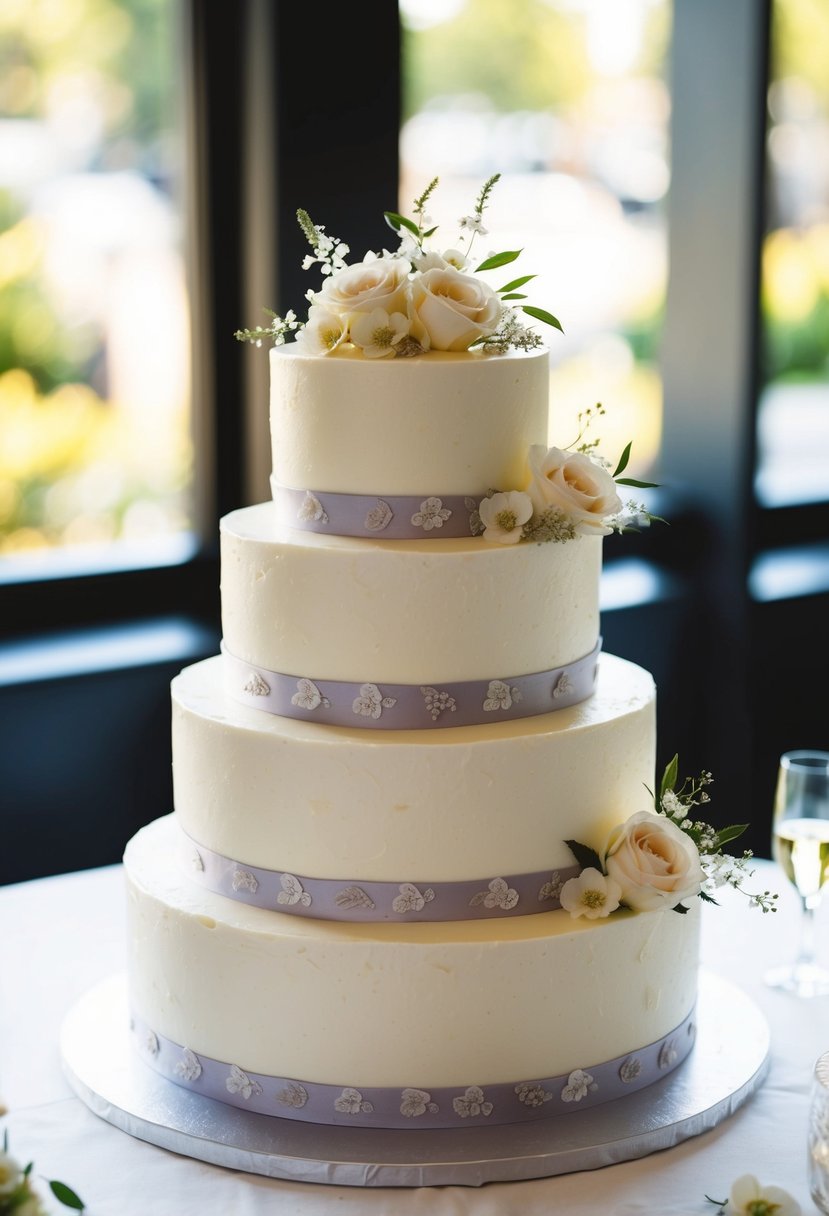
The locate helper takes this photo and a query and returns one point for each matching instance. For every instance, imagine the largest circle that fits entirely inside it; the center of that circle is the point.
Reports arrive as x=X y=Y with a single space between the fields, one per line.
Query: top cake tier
x=445 y=424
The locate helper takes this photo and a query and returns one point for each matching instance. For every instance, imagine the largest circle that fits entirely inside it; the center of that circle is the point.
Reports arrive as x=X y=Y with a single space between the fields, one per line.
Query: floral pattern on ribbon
x=293 y=1095
x=437 y=702
x=371 y=702
x=472 y=1103
x=579 y=1085
x=308 y=696
x=498 y=895
x=416 y=1102
x=562 y=686
x=312 y=509
x=499 y=695
x=379 y=517
x=532 y=1094
x=353 y=897
x=432 y=514
x=189 y=1066
x=667 y=1054
x=350 y=1102
x=411 y=899
x=292 y=892
x=476 y=524
x=239 y=1082
x=256 y=686
x=243 y=880
x=630 y=1070
x=552 y=888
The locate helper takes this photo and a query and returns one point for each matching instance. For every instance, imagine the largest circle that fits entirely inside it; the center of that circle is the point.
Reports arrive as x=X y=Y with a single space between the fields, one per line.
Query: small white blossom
x=503 y=516
x=590 y=894
x=378 y=333
x=473 y=224
x=749 y=1198
x=323 y=332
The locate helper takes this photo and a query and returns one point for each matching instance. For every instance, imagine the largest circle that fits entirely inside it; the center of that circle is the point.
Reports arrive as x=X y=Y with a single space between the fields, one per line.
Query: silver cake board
x=728 y=1064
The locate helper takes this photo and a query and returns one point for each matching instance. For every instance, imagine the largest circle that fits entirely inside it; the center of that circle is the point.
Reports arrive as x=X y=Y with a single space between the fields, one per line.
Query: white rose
x=379 y=283
x=575 y=484
x=654 y=863
x=455 y=309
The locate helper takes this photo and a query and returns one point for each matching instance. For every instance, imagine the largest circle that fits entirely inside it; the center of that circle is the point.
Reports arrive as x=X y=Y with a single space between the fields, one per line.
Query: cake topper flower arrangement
x=660 y=860
x=411 y=300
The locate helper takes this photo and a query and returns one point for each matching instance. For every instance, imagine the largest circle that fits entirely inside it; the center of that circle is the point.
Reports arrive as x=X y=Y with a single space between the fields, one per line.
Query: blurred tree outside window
x=95 y=447
x=568 y=100
x=793 y=415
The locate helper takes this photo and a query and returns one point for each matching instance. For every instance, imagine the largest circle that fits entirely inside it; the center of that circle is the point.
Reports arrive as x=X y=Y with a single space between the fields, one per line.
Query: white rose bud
x=654 y=863
x=381 y=283
x=455 y=309
x=576 y=485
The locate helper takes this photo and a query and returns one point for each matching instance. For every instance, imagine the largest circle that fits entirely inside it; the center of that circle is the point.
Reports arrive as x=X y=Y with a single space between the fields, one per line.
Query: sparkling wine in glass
x=800 y=845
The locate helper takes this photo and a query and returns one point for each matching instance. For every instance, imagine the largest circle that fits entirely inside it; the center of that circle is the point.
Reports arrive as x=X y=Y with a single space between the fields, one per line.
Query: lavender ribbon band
x=384 y=517
x=410 y=1106
x=346 y=899
x=410 y=706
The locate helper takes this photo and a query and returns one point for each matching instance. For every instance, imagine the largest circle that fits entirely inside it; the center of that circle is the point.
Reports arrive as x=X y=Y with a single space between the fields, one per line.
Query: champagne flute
x=800 y=844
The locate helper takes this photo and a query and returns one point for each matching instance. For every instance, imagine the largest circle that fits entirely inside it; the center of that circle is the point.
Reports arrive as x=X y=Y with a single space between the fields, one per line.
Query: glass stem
x=806 y=953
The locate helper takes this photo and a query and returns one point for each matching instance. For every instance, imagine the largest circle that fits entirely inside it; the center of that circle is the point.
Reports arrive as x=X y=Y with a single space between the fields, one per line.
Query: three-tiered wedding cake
x=355 y=914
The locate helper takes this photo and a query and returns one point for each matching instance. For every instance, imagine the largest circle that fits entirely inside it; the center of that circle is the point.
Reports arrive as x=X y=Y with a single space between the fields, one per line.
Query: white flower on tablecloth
x=378 y=333
x=350 y=1102
x=472 y=1103
x=239 y=1082
x=308 y=696
x=371 y=702
x=579 y=1085
x=432 y=514
x=576 y=485
x=655 y=864
x=590 y=894
x=11 y=1173
x=503 y=516
x=749 y=1198
x=189 y=1066
x=416 y=1102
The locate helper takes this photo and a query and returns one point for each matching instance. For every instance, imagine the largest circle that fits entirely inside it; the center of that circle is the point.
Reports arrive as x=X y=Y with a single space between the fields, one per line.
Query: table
x=61 y=935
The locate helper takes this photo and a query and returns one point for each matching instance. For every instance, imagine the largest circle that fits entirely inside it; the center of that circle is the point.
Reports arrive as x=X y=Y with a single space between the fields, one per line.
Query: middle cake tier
x=424 y=806
x=405 y=612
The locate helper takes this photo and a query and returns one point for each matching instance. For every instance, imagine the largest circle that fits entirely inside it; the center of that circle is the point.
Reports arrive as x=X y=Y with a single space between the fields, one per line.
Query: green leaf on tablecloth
x=65 y=1195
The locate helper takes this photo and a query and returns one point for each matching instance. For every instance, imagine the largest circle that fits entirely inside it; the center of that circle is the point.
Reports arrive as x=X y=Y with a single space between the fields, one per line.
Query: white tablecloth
x=61 y=935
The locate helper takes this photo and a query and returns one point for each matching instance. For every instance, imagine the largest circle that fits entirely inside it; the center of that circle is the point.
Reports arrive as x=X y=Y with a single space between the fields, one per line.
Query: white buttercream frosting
x=410 y=612
x=438 y=424
x=457 y=1003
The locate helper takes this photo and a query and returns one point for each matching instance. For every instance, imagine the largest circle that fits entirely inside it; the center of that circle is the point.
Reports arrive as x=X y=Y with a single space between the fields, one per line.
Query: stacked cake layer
x=353 y=915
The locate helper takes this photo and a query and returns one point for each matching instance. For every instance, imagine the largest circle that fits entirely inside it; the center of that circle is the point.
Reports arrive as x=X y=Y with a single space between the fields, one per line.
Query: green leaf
x=431 y=232
x=28 y=1169
x=586 y=857
x=708 y=899
x=67 y=1196
x=640 y=485
x=514 y=295
x=623 y=460
x=499 y=259
x=541 y=315
x=514 y=284
x=730 y=833
x=397 y=222
x=681 y=909
x=669 y=777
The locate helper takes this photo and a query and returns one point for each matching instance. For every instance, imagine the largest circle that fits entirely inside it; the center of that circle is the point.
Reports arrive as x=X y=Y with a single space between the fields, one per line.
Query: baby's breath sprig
x=329 y=252
x=276 y=332
x=510 y=335
x=720 y=868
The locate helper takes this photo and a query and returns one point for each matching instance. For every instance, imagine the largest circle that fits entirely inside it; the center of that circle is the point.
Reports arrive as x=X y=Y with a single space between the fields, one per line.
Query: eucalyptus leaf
x=499 y=259
x=397 y=222
x=681 y=909
x=623 y=460
x=514 y=295
x=514 y=284
x=640 y=485
x=541 y=315
x=669 y=777
x=67 y=1196
x=730 y=833
x=586 y=857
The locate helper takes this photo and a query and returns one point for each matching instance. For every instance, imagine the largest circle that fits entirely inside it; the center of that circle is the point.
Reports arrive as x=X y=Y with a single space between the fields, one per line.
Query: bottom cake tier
x=400 y=1025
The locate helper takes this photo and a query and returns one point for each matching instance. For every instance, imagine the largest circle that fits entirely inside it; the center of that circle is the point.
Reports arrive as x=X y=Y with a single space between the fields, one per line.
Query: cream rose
x=575 y=484
x=381 y=283
x=455 y=309
x=654 y=863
